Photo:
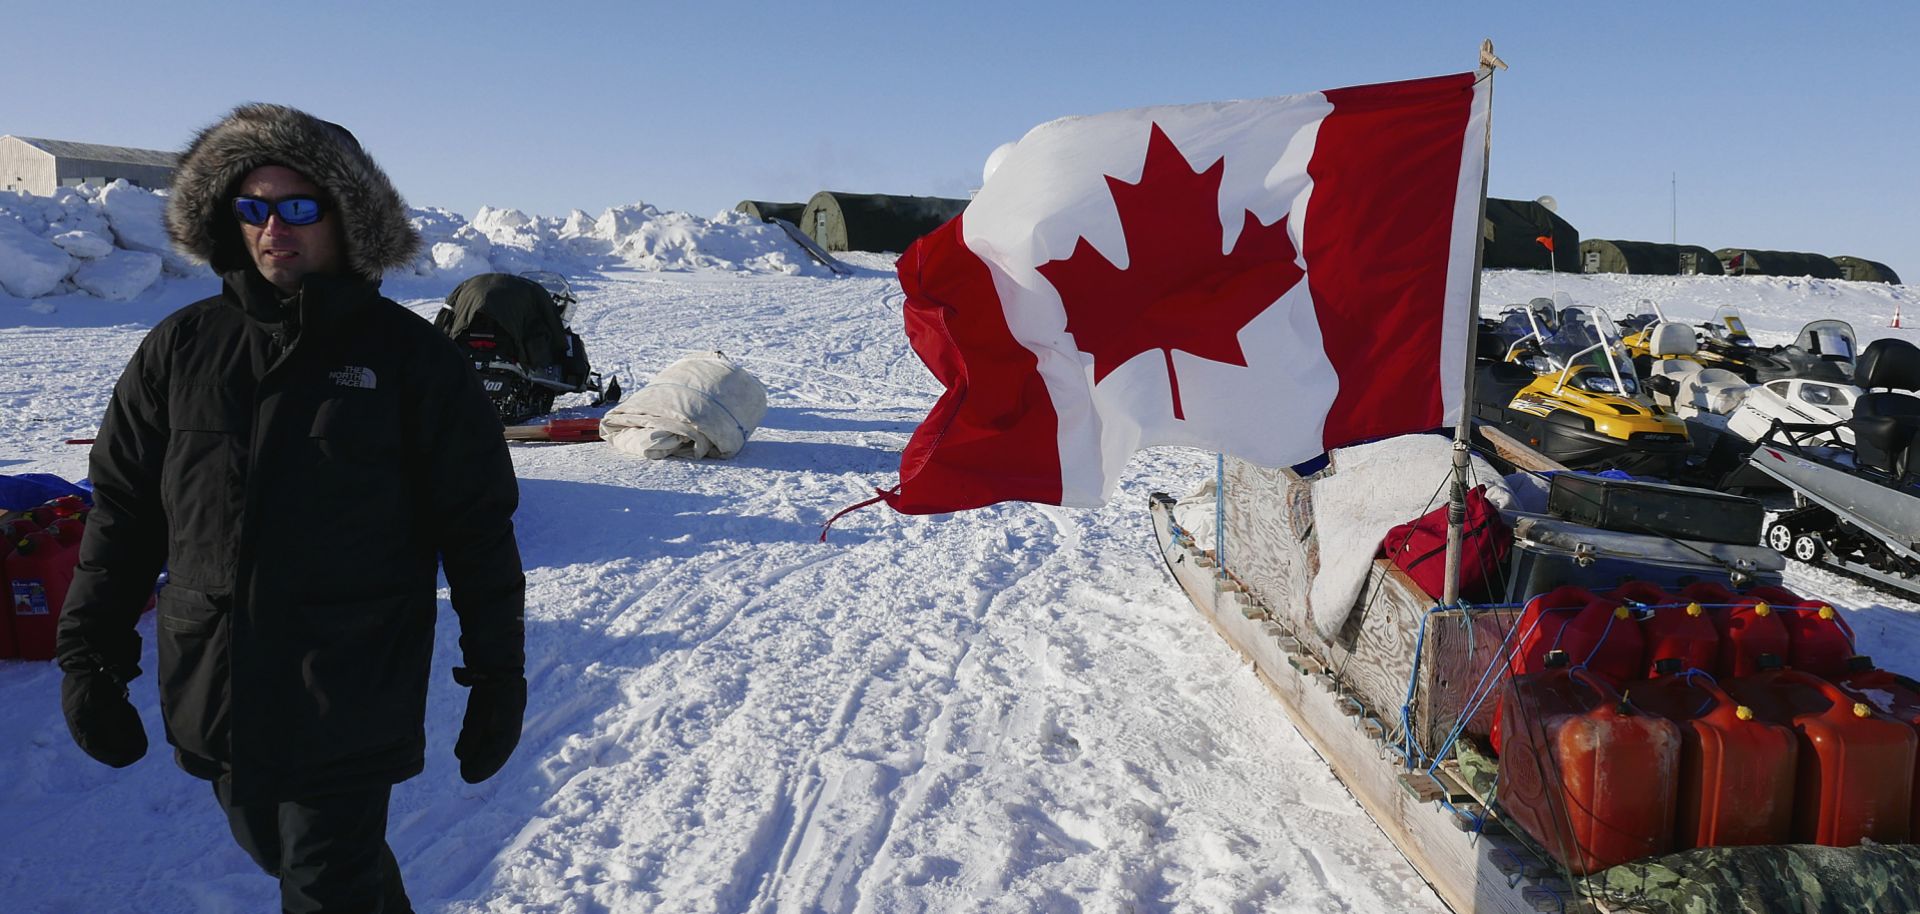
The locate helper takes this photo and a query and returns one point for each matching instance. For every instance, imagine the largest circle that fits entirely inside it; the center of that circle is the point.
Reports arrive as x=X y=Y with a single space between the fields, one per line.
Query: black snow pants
x=330 y=853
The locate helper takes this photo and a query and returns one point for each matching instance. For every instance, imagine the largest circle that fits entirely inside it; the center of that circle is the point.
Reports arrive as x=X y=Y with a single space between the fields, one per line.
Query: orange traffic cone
x=1896 y=315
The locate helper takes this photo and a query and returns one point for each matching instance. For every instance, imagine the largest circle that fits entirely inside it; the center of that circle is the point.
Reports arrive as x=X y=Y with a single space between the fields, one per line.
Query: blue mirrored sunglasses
x=291 y=210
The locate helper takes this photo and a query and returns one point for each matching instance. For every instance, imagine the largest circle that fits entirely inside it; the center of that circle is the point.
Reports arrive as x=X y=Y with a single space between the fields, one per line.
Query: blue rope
x=1220 y=514
x=1412 y=750
x=1687 y=675
x=1484 y=689
x=1598 y=643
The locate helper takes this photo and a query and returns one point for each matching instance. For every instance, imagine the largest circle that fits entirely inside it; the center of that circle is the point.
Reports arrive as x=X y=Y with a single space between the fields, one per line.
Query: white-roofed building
x=38 y=166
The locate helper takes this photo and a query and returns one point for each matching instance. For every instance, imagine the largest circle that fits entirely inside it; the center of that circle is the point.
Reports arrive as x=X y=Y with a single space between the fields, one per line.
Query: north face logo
x=353 y=376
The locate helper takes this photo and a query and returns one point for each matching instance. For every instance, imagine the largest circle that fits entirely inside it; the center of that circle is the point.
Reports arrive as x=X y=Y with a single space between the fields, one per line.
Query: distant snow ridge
x=636 y=234
x=111 y=242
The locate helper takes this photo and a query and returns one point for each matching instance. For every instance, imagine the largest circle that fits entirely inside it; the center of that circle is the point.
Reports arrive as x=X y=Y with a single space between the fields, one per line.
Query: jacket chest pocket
x=208 y=428
x=209 y=408
x=357 y=430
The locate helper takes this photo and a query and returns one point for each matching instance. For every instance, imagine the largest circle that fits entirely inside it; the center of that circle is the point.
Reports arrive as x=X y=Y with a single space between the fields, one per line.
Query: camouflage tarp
x=1775 y=879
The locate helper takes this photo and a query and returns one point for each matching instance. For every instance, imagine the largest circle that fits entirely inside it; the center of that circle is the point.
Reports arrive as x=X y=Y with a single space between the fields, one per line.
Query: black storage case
x=1681 y=512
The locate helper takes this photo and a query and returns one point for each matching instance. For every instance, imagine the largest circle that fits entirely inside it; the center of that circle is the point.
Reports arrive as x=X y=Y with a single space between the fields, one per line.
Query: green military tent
x=1646 y=258
x=1865 y=270
x=766 y=212
x=874 y=222
x=1750 y=262
x=1526 y=235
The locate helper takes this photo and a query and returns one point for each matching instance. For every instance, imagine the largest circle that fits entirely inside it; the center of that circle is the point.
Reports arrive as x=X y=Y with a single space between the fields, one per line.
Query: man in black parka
x=301 y=454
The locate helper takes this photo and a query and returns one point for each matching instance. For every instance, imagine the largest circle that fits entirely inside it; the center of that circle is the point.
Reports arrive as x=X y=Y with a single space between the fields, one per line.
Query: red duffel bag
x=1420 y=549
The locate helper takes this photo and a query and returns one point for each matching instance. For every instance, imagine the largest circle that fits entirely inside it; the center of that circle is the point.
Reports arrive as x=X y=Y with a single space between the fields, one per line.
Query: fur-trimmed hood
x=373 y=217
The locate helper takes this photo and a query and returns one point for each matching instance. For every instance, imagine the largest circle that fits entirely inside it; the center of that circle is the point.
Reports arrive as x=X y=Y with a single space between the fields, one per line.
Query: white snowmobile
x=1857 y=508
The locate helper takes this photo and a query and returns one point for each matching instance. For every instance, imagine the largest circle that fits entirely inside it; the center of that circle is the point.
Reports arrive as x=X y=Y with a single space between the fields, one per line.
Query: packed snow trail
x=1006 y=710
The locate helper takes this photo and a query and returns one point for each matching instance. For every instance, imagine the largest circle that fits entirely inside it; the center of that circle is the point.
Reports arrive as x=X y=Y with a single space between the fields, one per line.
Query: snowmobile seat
x=1664 y=372
x=1497 y=383
x=1888 y=363
x=1710 y=390
x=1885 y=423
x=1672 y=338
x=1884 y=426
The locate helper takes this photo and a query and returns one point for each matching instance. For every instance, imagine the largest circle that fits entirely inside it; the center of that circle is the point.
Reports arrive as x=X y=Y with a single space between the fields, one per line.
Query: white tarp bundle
x=701 y=406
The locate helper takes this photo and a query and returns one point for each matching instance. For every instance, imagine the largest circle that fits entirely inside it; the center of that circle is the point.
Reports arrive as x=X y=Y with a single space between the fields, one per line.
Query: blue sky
x=1787 y=125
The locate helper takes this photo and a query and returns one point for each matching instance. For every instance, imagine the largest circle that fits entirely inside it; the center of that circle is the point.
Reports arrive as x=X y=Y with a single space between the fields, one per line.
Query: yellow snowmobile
x=1566 y=387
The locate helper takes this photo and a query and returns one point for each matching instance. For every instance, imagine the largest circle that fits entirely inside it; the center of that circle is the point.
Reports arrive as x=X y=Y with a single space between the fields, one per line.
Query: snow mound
x=30 y=266
x=83 y=244
x=119 y=276
x=139 y=220
x=109 y=242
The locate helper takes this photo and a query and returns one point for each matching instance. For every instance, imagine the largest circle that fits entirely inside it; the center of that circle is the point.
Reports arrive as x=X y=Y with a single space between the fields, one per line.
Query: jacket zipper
x=242 y=590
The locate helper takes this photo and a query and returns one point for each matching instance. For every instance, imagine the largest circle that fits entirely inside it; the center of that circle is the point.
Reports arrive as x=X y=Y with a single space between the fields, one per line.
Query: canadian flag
x=1269 y=278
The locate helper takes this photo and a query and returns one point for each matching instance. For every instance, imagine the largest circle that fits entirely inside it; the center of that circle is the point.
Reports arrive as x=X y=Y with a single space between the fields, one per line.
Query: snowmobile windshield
x=556 y=286
x=1645 y=316
x=1830 y=340
x=1588 y=338
x=1522 y=329
x=1728 y=329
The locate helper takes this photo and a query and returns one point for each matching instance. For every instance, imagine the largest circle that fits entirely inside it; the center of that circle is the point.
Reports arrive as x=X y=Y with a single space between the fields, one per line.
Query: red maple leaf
x=1178 y=291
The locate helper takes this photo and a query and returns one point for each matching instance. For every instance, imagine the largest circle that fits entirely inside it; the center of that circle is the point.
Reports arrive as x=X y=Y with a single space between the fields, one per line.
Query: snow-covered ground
x=1006 y=710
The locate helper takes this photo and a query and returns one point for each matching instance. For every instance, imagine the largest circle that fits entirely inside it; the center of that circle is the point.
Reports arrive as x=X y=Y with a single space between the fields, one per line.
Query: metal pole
x=1463 y=431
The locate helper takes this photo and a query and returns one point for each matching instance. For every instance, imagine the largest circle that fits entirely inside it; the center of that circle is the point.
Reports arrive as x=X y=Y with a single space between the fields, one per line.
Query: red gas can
x=1736 y=781
x=15 y=530
x=1820 y=640
x=39 y=572
x=67 y=531
x=11 y=533
x=1596 y=633
x=9 y=649
x=1749 y=629
x=1540 y=623
x=1584 y=773
x=1707 y=593
x=42 y=515
x=67 y=505
x=1855 y=768
x=1683 y=633
x=1891 y=694
x=1645 y=593
x=1601 y=635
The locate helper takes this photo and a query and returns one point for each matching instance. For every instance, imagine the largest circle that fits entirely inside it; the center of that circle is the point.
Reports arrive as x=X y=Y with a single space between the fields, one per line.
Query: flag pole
x=1463 y=430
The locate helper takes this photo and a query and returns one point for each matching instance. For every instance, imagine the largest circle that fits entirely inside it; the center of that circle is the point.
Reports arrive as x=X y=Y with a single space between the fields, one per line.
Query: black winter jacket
x=299 y=495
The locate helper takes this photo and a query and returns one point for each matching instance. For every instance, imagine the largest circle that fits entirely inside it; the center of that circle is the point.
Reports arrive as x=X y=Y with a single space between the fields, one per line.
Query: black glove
x=101 y=719
x=495 y=704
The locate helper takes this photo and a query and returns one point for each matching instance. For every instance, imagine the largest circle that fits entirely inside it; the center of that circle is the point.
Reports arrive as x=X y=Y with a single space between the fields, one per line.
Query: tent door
x=1590 y=262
